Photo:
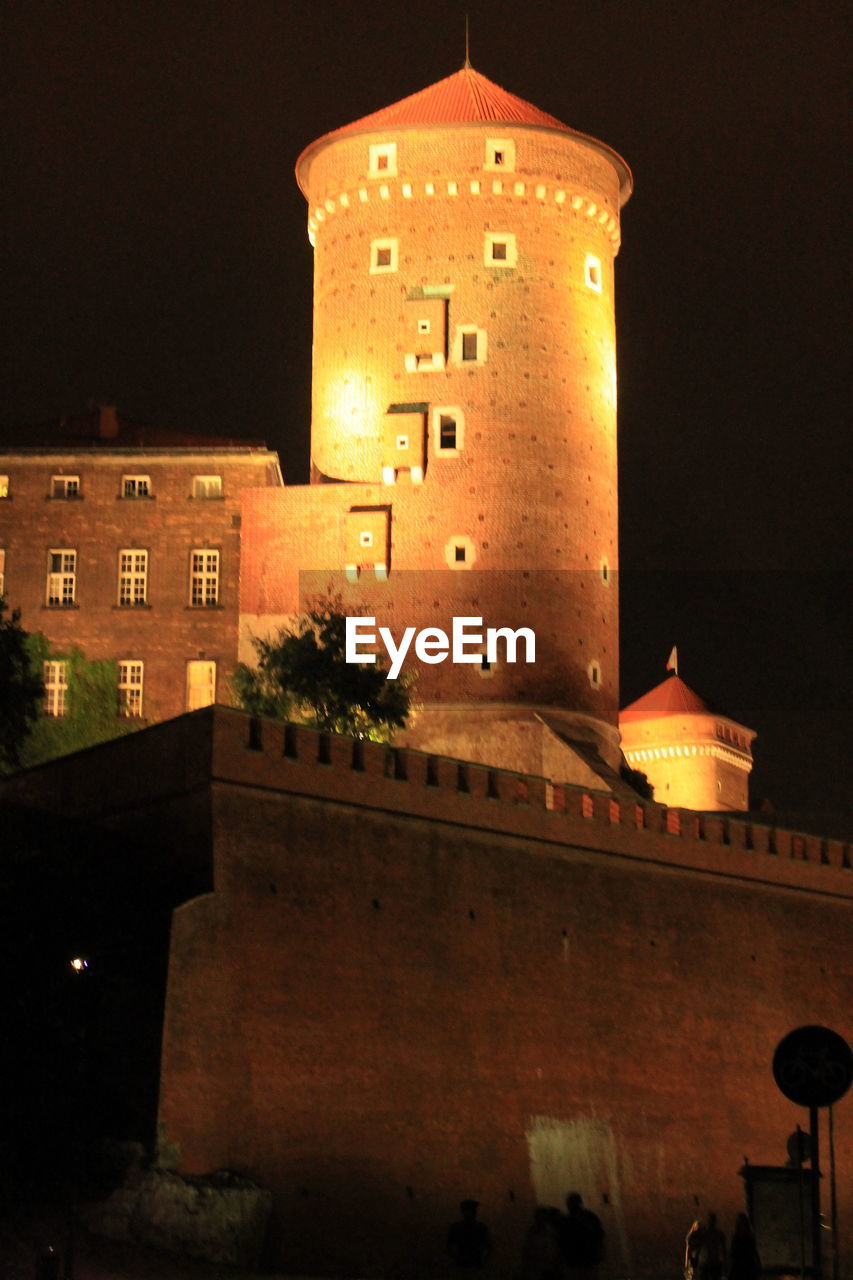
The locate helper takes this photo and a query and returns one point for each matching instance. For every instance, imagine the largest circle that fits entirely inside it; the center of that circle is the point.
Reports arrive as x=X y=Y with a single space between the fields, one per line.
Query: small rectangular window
x=446 y=432
x=423 y=326
x=132 y=578
x=499 y=249
x=500 y=153
x=130 y=689
x=459 y=554
x=383 y=256
x=207 y=486
x=402 y=442
x=383 y=159
x=204 y=578
x=62 y=578
x=592 y=270
x=365 y=538
x=136 y=487
x=201 y=685
x=4 y=486
x=469 y=346
x=55 y=677
x=65 y=487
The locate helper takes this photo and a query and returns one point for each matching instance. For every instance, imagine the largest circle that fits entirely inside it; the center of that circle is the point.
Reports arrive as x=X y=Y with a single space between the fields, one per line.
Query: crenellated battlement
x=292 y=758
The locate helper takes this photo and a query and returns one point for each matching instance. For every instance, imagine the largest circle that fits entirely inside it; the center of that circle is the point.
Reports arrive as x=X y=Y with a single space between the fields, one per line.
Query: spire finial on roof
x=467 y=62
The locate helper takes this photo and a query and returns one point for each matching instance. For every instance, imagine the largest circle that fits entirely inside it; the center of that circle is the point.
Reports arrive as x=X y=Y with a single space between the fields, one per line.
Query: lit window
x=207 y=486
x=594 y=673
x=500 y=154
x=423 y=326
x=132 y=578
x=201 y=685
x=135 y=487
x=469 y=346
x=402 y=442
x=2 y=571
x=55 y=678
x=204 y=578
x=365 y=538
x=383 y=256
x=4 y=486
x=605 y=572
x=592 y=272
x=62 y=578
x=130 y=690
x=65 y=487
x=383 y=159
x=499 y=249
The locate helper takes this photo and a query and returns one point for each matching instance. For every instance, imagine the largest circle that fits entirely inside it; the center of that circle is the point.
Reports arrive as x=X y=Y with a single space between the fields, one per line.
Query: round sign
x=813 y=1066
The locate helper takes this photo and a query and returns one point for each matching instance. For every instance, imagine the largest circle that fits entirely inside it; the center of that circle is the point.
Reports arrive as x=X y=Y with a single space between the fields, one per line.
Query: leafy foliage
x=638 y=780
x=91 y=706
x=303 y=676
x=21 y=689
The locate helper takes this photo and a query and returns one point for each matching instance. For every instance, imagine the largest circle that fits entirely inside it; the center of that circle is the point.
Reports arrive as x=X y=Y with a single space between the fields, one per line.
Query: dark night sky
x=155 y=256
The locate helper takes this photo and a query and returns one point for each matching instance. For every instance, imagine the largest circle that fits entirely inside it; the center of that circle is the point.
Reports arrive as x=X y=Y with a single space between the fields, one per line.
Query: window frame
x=56 y=596
x=503 y=148
x=593 y=273
x=201 y=575
x=202 y=484
x=4 y=487
x=507 y=241
x=59 y=488
x=376 y=153
x=210 y=685
x=55 y=680
x=392 y=245
x=135 y=480
x=131 y=576
x=453 y=412
x=129 y=705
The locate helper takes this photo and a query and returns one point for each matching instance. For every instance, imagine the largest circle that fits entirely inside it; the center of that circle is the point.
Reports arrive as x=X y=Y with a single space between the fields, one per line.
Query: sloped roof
x=671 y=697
x=466 y=97
x=103 y=428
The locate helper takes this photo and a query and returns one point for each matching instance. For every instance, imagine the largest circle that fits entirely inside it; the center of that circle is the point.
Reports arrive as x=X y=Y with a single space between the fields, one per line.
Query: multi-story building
x=123 y=542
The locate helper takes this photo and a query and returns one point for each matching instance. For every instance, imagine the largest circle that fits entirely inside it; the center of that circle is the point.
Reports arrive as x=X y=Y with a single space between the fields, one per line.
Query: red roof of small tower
x=466 y=97
x=671 y=697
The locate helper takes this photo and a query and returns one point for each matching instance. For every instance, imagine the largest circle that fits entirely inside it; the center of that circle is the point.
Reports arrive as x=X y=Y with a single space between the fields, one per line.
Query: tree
x=303 y=675
x=21 y=689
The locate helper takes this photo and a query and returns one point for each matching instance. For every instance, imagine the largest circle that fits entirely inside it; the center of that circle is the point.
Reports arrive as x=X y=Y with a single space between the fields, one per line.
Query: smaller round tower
x=694 y=757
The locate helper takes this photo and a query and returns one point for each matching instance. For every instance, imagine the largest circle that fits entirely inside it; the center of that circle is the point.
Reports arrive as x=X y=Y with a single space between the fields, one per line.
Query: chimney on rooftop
x=107 y=422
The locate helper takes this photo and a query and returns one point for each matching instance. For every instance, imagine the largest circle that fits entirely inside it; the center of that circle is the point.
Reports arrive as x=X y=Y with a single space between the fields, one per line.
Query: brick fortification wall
x=417 y=981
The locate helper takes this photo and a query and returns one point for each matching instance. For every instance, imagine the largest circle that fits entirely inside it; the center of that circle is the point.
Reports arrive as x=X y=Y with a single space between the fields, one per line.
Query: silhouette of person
x=744 y=1262
x=581 y=1240
x=706 y=1250
x=468 y=1241
x=690 y=1245
x=541 y=1251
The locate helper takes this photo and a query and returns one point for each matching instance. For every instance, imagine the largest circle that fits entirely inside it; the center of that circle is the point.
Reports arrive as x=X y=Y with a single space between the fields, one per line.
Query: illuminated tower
x=694 y=757
x=464 y=404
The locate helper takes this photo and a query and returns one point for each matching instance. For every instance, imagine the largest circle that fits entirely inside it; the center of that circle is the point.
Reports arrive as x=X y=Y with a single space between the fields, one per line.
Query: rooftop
x=466 y=97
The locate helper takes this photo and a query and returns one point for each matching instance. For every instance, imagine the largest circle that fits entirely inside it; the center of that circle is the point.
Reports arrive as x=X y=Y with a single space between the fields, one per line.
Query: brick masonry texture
x=167 y=632
x=415 y=980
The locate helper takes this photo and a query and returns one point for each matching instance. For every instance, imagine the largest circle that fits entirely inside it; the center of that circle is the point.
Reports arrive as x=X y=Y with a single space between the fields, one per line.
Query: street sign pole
x=817 y=1249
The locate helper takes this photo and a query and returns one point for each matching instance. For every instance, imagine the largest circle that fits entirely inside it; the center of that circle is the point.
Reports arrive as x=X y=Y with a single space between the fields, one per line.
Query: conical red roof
x=466 y=97
x=671 y=697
